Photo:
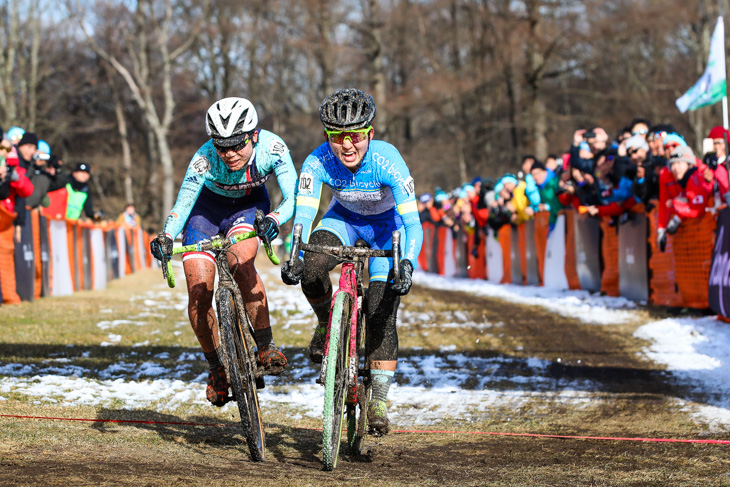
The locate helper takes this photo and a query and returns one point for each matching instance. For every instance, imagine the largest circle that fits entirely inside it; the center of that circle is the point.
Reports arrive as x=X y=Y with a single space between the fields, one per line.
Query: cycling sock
x=263 y=337
x=381 y=384
x=213 y=359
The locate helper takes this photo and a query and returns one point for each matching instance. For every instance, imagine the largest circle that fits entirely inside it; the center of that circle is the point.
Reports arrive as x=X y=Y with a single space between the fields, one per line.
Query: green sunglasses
x=339 y=136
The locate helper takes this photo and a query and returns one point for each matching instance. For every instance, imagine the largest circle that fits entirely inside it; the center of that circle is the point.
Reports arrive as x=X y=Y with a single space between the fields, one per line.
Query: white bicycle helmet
x=229 y=120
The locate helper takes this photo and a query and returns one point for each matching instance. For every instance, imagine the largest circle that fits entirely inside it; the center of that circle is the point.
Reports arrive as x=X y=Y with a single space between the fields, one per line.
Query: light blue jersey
x=380 y=195
x=207 y=169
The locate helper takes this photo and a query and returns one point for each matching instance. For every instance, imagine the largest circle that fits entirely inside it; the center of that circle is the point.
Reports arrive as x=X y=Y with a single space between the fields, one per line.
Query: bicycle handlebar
x=217 y=243
x=345 y=252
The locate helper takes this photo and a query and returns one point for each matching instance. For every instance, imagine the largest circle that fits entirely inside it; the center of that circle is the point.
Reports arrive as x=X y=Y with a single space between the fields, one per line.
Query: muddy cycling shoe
x=316 y=346
x=378 y=424
x=217 y=390
x=271 y=359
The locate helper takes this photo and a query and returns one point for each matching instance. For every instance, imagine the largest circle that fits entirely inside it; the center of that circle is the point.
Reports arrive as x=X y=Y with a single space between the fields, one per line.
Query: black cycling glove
x=406 y=278
x=291 y=274
x=161 y=247
x=267 y=229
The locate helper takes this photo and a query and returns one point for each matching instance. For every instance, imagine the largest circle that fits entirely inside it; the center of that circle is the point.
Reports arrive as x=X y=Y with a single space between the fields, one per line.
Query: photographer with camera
x=44 y=170
x=13 y=182
x=717 y=163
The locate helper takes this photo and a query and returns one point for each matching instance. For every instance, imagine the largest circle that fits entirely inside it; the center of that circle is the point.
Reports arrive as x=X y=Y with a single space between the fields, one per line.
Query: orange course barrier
x=505 y=241
x=571 y=262
x=88 y=260
x=73 y=259
x=477 y=266
x=609 y=251
x=425 y=256
x=522 y=247
x=542 y=229
x=663 y=288
x=38 y=278
x=7 y=257
x=442 y=233
x=693 y=245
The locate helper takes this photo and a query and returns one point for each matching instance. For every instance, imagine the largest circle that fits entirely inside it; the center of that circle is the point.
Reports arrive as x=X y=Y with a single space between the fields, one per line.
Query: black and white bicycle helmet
x=347 y=109
x=229 y=120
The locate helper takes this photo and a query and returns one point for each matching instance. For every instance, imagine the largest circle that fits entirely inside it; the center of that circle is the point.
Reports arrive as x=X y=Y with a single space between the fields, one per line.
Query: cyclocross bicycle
x=237 y=344
x=345 y=345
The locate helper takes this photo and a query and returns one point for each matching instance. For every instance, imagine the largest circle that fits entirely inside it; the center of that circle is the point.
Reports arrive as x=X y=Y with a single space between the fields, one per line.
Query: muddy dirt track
x=630 y=397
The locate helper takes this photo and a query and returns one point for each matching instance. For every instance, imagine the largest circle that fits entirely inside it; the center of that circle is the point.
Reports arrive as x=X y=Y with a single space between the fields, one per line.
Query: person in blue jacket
x=374 y=194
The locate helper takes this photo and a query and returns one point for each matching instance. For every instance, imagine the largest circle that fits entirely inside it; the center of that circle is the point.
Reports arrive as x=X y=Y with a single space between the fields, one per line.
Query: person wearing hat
x=613 y=186
x=637 y=148
x=548 y=184
x=79 y=193
x=719 y=168
x=45 y=174
x=684 y=191
x=14 y=184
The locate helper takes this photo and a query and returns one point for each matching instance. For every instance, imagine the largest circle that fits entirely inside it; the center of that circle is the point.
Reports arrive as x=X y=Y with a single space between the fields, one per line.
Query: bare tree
x=152 y=51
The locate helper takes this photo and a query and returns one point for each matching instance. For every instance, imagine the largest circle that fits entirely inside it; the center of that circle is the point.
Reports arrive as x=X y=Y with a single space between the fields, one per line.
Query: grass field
x=470 y=365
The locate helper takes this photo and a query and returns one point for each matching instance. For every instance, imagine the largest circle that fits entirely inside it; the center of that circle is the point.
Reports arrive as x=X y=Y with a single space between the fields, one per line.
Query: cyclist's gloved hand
x=291 y=274
x=406 y=278
x=161 y=247
x=268 y=229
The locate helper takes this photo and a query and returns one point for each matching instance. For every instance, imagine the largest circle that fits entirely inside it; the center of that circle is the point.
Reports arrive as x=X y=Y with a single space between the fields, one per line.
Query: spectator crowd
x=598 y=176
x=32 y=177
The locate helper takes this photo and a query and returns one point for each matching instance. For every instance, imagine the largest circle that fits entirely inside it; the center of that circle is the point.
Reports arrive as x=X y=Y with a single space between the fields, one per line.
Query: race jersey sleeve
x=187 y=196
x=398 y=177
x=309 y=192
x=278 y=159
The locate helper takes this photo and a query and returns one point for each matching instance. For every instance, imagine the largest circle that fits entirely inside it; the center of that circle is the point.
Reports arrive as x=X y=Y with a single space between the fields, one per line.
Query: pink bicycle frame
x=348 y=285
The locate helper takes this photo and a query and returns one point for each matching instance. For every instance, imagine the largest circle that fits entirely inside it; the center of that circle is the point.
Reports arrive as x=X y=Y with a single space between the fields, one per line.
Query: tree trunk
x=376 y=66
x=126 y=152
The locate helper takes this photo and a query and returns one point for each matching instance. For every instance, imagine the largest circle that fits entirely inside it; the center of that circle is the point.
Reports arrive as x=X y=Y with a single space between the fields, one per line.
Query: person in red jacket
x=718 y=136
x=685 y=188
x=13 y=181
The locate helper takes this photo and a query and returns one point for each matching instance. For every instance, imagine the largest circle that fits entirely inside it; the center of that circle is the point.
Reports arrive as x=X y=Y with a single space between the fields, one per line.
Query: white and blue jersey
x=370 y=204
x=229 y=198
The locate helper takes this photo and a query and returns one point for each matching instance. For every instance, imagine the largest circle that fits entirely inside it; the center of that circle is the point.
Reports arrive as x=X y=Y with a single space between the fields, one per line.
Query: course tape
x=430 y=432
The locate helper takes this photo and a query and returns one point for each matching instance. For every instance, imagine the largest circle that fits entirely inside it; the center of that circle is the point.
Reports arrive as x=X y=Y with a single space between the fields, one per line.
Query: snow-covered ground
x=429 y=387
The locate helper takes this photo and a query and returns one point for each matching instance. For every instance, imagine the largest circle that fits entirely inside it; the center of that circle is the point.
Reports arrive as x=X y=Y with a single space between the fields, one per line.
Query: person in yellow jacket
x=512 y=194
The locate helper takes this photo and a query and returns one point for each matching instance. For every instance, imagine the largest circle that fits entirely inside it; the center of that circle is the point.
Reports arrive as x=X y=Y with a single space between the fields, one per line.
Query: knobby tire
x=335 y=381
x=241 y=367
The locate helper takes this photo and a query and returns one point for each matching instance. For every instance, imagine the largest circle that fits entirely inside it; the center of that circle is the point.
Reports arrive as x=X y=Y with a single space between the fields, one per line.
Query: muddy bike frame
x=348 y=317
x=236 y=334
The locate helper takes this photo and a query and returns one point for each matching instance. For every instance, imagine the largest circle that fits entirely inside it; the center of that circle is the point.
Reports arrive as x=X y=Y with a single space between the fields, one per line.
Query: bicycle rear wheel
x=335 y=380
x=240 y=363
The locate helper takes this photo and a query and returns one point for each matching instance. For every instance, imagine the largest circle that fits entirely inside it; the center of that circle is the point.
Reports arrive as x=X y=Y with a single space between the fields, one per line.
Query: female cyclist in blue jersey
x=374 y=195
x=222 y=189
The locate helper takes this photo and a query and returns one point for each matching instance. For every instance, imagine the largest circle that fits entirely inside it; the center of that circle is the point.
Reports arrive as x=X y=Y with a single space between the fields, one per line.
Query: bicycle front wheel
x=240 y=363
x=335 y=380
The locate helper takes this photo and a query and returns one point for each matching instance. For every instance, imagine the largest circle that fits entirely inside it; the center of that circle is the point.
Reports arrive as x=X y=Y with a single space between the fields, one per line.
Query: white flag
x=712 y=86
